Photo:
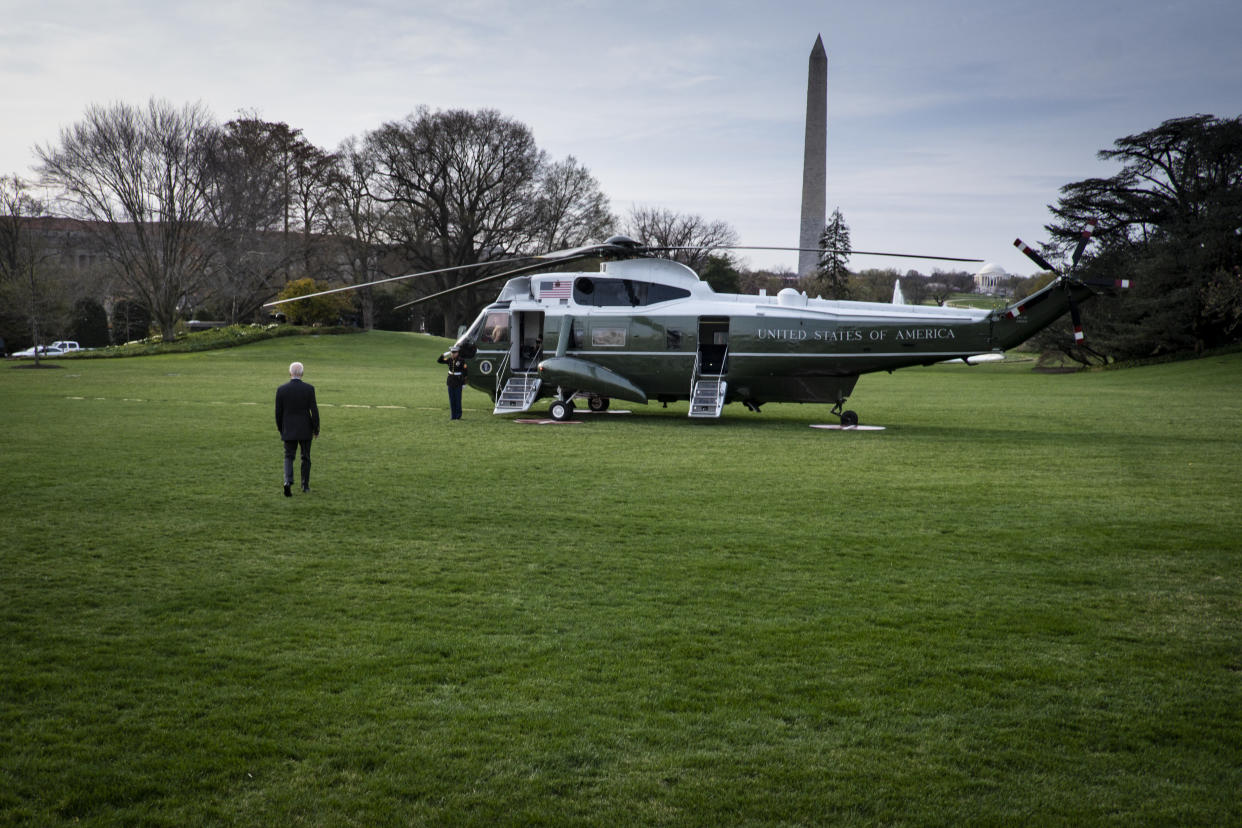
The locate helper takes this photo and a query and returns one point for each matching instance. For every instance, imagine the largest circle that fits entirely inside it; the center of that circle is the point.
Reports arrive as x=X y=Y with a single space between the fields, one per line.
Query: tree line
x=183 y=217
x=194 y=218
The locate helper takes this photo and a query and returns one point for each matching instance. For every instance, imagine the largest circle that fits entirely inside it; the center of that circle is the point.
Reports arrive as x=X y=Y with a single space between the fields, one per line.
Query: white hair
x=295 y=370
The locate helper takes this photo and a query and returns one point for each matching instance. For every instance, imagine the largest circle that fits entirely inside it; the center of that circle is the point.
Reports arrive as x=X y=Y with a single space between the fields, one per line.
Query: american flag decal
x=555 y=288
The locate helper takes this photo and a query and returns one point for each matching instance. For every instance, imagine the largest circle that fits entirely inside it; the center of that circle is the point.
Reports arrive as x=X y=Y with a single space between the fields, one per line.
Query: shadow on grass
x=35 y=365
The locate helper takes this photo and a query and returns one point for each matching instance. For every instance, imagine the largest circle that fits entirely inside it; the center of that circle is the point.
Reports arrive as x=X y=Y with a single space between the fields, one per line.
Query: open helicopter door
x=521 y=381
x=708 y=387
x=527 y=340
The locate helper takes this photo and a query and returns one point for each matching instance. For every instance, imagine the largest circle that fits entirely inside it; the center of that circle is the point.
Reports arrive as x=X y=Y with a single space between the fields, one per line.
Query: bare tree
x=471 y=188
x=24 y=259
x=914 y=287
x=359 y=219
x=869 y=285
x=459 y=184
x=135 y=176
x=246 y=190
x=309 y=196
x=696 y=237
x=268 y=193
x=570 y=208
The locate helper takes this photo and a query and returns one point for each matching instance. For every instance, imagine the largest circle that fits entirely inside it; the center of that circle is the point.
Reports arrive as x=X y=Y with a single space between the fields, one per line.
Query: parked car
x=66 y=346
x=45 y=351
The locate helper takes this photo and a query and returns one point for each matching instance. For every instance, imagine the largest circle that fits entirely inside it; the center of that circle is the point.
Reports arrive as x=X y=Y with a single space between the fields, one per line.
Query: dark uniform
x=457 y=373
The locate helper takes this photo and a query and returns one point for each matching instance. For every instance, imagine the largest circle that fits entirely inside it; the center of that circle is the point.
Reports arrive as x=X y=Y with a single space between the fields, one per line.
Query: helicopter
x=644 y=328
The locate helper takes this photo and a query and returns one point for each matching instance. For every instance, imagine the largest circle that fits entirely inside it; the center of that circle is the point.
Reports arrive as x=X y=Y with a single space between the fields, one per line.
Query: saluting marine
x=458 y=371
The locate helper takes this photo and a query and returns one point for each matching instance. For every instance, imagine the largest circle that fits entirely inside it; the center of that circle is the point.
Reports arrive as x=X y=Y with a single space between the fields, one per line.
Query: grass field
x=1018 y=604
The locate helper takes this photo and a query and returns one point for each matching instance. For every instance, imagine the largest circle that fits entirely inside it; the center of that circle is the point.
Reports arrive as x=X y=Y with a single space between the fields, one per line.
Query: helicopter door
x=527 y=340
x=713 y=344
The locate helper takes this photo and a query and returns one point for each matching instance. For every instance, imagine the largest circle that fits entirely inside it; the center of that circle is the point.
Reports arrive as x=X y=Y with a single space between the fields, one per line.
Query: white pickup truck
x=57 y=348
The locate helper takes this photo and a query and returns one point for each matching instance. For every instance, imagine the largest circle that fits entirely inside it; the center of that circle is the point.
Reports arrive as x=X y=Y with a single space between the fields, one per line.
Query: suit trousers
x=291 y=448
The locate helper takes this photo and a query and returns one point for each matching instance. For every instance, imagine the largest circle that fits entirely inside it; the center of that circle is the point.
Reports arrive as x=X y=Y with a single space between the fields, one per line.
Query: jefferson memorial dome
x=990 y=277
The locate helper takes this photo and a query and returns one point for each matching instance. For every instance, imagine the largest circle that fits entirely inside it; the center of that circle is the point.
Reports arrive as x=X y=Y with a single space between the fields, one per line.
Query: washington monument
x=814 y=160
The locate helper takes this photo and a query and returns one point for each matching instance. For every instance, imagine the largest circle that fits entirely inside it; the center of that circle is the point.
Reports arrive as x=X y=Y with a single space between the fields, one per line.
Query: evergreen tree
x=720 y=271
x=1171 y=220
x=90 y=324
x=834 y=252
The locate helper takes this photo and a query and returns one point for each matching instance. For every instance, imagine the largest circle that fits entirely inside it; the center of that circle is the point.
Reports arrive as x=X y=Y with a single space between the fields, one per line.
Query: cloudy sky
x=951 y=123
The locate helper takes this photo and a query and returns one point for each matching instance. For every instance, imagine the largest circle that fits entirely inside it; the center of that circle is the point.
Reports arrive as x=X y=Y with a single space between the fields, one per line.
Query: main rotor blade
x=615 y=246
x=612 y=248
x=585 y=251
x=829 y=250
x=377 y=282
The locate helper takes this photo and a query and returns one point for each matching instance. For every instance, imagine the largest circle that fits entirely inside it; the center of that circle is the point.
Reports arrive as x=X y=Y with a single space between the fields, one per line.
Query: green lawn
x=1019 y=604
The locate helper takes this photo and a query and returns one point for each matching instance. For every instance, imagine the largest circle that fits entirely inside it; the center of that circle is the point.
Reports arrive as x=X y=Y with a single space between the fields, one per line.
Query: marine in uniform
x=457 y=373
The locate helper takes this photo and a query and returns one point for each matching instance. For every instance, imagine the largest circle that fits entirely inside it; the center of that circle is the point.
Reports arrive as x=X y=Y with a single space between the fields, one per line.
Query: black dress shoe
x=288 y=492
x=306 y=487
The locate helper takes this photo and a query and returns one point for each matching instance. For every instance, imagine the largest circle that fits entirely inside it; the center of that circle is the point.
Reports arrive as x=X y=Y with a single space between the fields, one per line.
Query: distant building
x=991 y=278
x=76 y=251
x=70 y=243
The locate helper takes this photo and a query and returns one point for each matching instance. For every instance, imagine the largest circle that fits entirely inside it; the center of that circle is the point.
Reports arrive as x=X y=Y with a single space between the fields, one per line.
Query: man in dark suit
x=297 y=418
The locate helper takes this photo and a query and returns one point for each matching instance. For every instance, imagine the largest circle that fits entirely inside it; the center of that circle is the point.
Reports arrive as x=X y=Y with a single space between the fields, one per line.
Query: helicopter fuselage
x=650 y=330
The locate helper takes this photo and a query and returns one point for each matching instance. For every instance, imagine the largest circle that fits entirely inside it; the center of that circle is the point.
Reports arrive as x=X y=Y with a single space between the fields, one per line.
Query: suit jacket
x=297 y=416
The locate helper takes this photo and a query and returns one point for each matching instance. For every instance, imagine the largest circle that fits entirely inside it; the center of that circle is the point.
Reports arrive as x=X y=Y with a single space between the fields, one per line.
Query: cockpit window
x=495 y=328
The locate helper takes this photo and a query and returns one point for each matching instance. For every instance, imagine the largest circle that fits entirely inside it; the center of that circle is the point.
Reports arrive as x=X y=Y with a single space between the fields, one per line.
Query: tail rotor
x=1068 y=281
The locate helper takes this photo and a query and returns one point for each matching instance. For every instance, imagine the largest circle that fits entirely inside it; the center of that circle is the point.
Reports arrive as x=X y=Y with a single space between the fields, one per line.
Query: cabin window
x=608 y=337
x=605 y=293
x=665 y=293
x=584 y=291
x=495 y=328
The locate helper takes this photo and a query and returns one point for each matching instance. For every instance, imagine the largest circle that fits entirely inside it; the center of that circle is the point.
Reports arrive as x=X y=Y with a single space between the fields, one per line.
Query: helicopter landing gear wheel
x=849 y=418
x=598 y=403
x=561 y=410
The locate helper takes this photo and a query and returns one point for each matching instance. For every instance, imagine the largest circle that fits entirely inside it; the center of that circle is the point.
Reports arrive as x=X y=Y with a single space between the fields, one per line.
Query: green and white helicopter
x=645 y=329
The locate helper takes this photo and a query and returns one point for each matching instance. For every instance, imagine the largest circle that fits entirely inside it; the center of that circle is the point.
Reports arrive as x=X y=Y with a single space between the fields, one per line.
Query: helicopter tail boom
x=1020 y=321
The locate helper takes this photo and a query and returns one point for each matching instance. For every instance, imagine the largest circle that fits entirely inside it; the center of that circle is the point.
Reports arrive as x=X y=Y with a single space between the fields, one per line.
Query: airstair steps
x=518 y=394
x=708 y=397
